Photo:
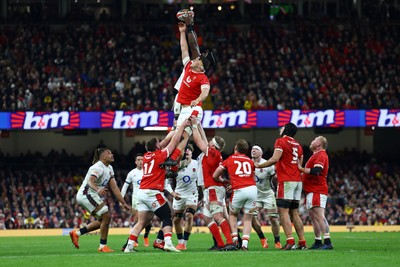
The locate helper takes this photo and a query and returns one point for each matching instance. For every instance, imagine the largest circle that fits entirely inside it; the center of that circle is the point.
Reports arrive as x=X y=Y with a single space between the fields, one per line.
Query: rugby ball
x=182 y=13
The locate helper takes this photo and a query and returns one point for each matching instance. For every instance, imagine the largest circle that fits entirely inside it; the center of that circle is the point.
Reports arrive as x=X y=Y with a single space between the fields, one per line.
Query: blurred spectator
x=310 y=64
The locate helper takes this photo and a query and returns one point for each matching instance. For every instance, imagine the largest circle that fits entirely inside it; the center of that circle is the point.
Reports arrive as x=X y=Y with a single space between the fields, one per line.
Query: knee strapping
x=190 y=210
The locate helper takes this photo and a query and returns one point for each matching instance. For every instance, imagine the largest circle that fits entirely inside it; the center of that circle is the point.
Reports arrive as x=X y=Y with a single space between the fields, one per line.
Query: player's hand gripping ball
x=182 y=14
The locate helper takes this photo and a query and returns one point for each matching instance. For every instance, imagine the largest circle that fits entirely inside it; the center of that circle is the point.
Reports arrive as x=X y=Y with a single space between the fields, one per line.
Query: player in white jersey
x=265 y=198
x=91 y=194
x=186 y=187
x=134 y=178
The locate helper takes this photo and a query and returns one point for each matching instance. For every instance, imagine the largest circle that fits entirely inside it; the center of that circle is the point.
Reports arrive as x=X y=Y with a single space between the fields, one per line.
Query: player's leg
x=178 y=217
x=147 y=230
x=144 y=218
x=316 y=228
x=257 y=228
x=247 y=197
x=327 y=236
x=317 y=231
x=318 y=203
x=189 y=214
x=159 y=242
x=134 y=218
x=164 y=213
x=272 y=212
x=247 y=219
x=217 y=197
x=297 y=188
x=213 y=227
x=104 y=227
x=283 y=204
x=95 y=206
x=275 y=227
x=298 y=224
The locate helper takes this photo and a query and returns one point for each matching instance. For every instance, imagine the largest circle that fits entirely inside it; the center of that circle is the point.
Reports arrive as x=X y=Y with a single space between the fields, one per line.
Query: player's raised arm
x=273 y=160
x=183 y=41
x=167 y=139
x=199 y=141
x=192 y=36
x=177 y=137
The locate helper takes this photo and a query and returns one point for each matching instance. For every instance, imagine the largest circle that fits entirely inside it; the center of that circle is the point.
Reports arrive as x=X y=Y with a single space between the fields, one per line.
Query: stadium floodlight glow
x=155 y=128
x=219 y=8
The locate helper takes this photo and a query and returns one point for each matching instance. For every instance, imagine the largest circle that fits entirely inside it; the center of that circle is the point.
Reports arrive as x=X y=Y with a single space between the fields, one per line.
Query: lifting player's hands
x=193 y=120
x=182 y=27
x=127 y=207
x=187 y=122
x=175 y=195
x=194 y=103
x=189 y=17
x=102 y=191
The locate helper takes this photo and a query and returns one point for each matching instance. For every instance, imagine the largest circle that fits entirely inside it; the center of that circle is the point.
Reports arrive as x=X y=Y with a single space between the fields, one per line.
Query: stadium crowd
x=38 y=191
x=303 y=64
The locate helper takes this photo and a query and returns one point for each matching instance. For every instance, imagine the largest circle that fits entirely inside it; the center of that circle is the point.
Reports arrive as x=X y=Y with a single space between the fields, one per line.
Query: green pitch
x=351 y=249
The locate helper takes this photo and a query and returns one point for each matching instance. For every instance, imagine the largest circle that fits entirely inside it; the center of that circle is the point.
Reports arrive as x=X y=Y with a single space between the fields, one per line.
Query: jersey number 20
x=242 y=167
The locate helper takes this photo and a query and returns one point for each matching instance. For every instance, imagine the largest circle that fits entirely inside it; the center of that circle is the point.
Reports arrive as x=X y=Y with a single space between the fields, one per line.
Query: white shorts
x=187 y=111
x=150 y=200
x=134 y=201
x=316 y=200
x=214 y=200
x=244 y=198
x=90 y=201
x=186 y=200
x=266 y=201
x=289 y=190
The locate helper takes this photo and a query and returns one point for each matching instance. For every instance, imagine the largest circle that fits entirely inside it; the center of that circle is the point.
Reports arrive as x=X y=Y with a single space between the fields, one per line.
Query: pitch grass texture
x=350 y=249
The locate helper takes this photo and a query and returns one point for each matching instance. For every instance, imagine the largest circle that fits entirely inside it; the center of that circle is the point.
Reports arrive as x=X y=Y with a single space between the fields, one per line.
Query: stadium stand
x=318 y=64
x=37 y=192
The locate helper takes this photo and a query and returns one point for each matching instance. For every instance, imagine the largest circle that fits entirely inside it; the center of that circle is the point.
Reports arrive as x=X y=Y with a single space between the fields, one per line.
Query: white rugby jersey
x=200 y=178
x=263 y=176
x=133 y=178
x=186 y=181
x=102 y=173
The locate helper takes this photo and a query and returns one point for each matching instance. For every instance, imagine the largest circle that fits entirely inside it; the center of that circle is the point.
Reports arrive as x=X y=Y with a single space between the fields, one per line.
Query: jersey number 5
x=295 y=155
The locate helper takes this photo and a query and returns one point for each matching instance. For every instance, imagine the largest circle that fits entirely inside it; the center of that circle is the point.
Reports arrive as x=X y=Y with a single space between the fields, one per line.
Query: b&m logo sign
x=382 y=118
x=132 y=120
x=223 y=119
x=30 y=120
x=308 y=119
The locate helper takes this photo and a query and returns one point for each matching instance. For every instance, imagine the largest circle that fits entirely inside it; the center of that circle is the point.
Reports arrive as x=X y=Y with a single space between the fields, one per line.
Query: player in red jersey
x=214 y=195
x=150 y=198
x=287 y=152
x=240 y=169
x=193 y=85
x=316 y=190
